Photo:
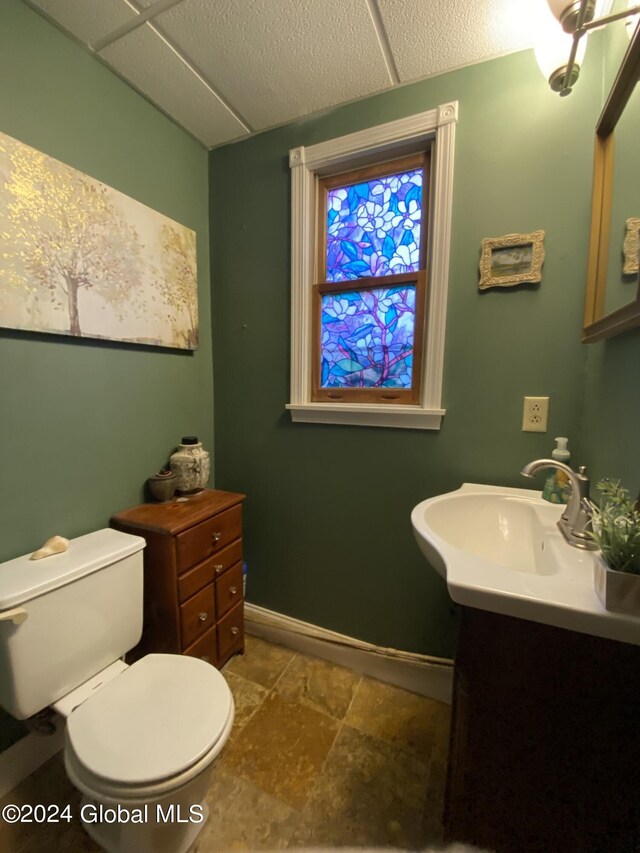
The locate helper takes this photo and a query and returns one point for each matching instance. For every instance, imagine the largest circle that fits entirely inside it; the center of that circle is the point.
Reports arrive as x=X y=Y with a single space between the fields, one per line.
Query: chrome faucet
x=577 y=516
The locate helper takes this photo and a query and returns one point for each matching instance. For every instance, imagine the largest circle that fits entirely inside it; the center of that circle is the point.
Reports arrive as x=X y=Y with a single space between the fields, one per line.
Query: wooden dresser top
x=177 y=515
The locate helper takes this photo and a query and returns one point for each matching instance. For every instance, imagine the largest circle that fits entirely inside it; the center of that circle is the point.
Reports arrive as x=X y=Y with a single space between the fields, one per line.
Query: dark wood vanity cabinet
x=545 y=740
x=193 y=595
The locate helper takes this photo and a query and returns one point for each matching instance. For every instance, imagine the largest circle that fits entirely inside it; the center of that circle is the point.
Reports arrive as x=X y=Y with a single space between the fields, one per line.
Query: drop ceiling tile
x=435 y=36
x=87 y=20
x=276 y=60
x=145 y=60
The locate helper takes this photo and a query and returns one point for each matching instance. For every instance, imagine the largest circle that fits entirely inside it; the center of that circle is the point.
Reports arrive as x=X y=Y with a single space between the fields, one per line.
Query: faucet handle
x=583 y=477
x=584 y=483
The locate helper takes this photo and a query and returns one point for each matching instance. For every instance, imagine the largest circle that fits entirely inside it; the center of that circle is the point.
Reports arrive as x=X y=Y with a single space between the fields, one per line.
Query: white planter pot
x=618 y=591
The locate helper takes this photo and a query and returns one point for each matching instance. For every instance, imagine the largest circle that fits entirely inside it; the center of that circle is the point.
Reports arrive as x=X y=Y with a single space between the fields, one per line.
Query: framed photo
x=512 y=259
x=631 y=246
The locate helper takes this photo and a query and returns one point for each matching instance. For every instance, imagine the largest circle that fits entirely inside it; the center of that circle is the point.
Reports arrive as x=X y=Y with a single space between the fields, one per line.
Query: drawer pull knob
x=235 y=631
x=216 y=537
x=233 y=590
x=203 y=617
x=218 y=567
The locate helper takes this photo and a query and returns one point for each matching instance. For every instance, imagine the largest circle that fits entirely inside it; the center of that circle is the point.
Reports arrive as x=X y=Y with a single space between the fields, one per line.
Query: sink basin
x=499 y=549
x=506 y=529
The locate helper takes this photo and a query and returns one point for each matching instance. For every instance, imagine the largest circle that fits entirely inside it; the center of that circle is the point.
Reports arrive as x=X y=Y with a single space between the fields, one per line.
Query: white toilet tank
x=66 y=617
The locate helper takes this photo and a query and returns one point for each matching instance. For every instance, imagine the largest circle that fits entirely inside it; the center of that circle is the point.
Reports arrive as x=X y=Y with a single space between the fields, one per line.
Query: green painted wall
x=328 y=538
x=83 y=423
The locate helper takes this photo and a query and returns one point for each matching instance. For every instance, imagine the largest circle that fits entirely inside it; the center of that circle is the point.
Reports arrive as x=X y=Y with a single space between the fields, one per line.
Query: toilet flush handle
x=17 y=615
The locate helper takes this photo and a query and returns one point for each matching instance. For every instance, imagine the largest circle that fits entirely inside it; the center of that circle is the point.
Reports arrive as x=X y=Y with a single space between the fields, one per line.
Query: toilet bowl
x=141 y=748
x=140 y=740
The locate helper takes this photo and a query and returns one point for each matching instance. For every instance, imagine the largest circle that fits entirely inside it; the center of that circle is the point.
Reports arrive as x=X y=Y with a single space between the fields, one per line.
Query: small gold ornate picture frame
x=631 y=246
x=512 y=259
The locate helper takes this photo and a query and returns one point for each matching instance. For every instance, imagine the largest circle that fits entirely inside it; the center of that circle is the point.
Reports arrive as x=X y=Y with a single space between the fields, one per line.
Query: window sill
x=403 y=417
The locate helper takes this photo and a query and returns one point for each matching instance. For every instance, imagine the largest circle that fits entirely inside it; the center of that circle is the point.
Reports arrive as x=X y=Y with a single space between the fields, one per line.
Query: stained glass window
x=370 y=290
x=367 y=338
x=373 y=227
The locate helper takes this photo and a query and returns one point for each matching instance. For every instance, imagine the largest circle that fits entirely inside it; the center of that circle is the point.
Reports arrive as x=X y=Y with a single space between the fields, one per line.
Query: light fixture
x=552 y=49
x=568 y=13
x=560 y=51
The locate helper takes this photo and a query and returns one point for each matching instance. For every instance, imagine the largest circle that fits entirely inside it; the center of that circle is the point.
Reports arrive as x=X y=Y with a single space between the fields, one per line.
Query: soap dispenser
x=557 y=488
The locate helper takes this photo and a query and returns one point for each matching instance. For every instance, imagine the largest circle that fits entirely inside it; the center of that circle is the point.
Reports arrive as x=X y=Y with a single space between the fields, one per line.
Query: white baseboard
x=432 y=677
x=22 y=758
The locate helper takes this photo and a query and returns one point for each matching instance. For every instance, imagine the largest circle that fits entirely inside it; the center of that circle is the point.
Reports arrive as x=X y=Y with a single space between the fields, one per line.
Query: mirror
x=612 y=304
x=622 y=266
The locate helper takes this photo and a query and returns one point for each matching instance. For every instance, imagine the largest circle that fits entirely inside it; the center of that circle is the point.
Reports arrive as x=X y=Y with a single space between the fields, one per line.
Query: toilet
x=140 y=740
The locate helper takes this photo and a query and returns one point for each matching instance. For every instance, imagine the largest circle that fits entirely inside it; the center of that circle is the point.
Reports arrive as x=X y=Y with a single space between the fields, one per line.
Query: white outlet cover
x=535 y=413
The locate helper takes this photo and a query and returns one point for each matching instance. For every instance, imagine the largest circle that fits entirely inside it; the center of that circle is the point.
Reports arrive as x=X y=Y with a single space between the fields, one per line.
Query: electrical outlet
x=534 y=414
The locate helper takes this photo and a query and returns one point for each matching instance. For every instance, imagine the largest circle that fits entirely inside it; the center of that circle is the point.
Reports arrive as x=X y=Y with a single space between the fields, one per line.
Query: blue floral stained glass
x=367 y=338
x=373 y=228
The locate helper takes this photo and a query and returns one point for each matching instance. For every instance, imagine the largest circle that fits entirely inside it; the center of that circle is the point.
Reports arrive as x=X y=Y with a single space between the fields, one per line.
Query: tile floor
x=318 y=756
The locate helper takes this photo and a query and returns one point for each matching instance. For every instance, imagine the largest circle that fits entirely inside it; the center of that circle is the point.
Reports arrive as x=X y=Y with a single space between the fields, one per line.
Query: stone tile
x=370 y=793
x=437 y=783
x=433 y=831
x=261 y=662
x=242 y=817
x=247 y=696
x=443 y=731
x=49 y=785
x=432 y=822
x=282 y=749
x=398 y=717
x=436 y=786
x=291 y=775
x=318 y=684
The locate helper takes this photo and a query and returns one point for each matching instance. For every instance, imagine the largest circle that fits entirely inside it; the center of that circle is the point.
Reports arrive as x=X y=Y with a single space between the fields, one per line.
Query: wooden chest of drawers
x=193 y=599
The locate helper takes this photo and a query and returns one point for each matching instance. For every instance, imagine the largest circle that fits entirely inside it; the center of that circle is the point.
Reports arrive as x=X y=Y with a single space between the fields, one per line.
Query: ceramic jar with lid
x=191 y=465
x=162 y=485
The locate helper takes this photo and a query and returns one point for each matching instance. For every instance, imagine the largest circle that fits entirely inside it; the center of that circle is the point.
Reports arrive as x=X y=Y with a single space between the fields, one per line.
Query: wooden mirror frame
x=597 y=324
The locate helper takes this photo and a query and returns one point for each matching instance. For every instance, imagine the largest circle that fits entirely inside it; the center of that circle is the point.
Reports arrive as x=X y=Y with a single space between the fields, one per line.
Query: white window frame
x=308 y=165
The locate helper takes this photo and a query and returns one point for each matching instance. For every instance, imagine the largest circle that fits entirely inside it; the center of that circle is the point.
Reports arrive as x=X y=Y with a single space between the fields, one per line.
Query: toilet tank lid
x=23 y=579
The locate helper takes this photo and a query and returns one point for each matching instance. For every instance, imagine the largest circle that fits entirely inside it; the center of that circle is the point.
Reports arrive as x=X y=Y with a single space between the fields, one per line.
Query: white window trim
x=307 y=166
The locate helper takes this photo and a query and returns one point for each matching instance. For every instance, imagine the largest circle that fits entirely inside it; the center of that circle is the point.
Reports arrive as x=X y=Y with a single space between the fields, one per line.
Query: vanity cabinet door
x=544 y=750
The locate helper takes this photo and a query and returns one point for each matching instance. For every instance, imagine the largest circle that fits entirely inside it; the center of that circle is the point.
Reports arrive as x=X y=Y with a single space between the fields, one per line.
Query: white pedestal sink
x=499 y=549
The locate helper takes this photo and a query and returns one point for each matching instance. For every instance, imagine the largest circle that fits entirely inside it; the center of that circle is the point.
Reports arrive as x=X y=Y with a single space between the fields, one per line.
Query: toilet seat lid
x=153 y=721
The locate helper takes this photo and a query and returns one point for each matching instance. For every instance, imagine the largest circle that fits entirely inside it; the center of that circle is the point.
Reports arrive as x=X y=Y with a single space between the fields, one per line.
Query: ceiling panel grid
x=225 y=69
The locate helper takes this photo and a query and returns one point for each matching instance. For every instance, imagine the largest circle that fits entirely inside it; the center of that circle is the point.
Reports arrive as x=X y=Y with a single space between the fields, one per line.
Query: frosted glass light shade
x=552 y=50
x=567 y=11
x=552 y=53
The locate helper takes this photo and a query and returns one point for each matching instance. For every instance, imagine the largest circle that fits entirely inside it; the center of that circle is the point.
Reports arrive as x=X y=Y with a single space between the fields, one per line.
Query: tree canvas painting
x=79 y=258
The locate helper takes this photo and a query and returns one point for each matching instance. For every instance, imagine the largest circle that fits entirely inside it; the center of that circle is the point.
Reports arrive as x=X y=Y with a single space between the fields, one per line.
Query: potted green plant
x=616 y=531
